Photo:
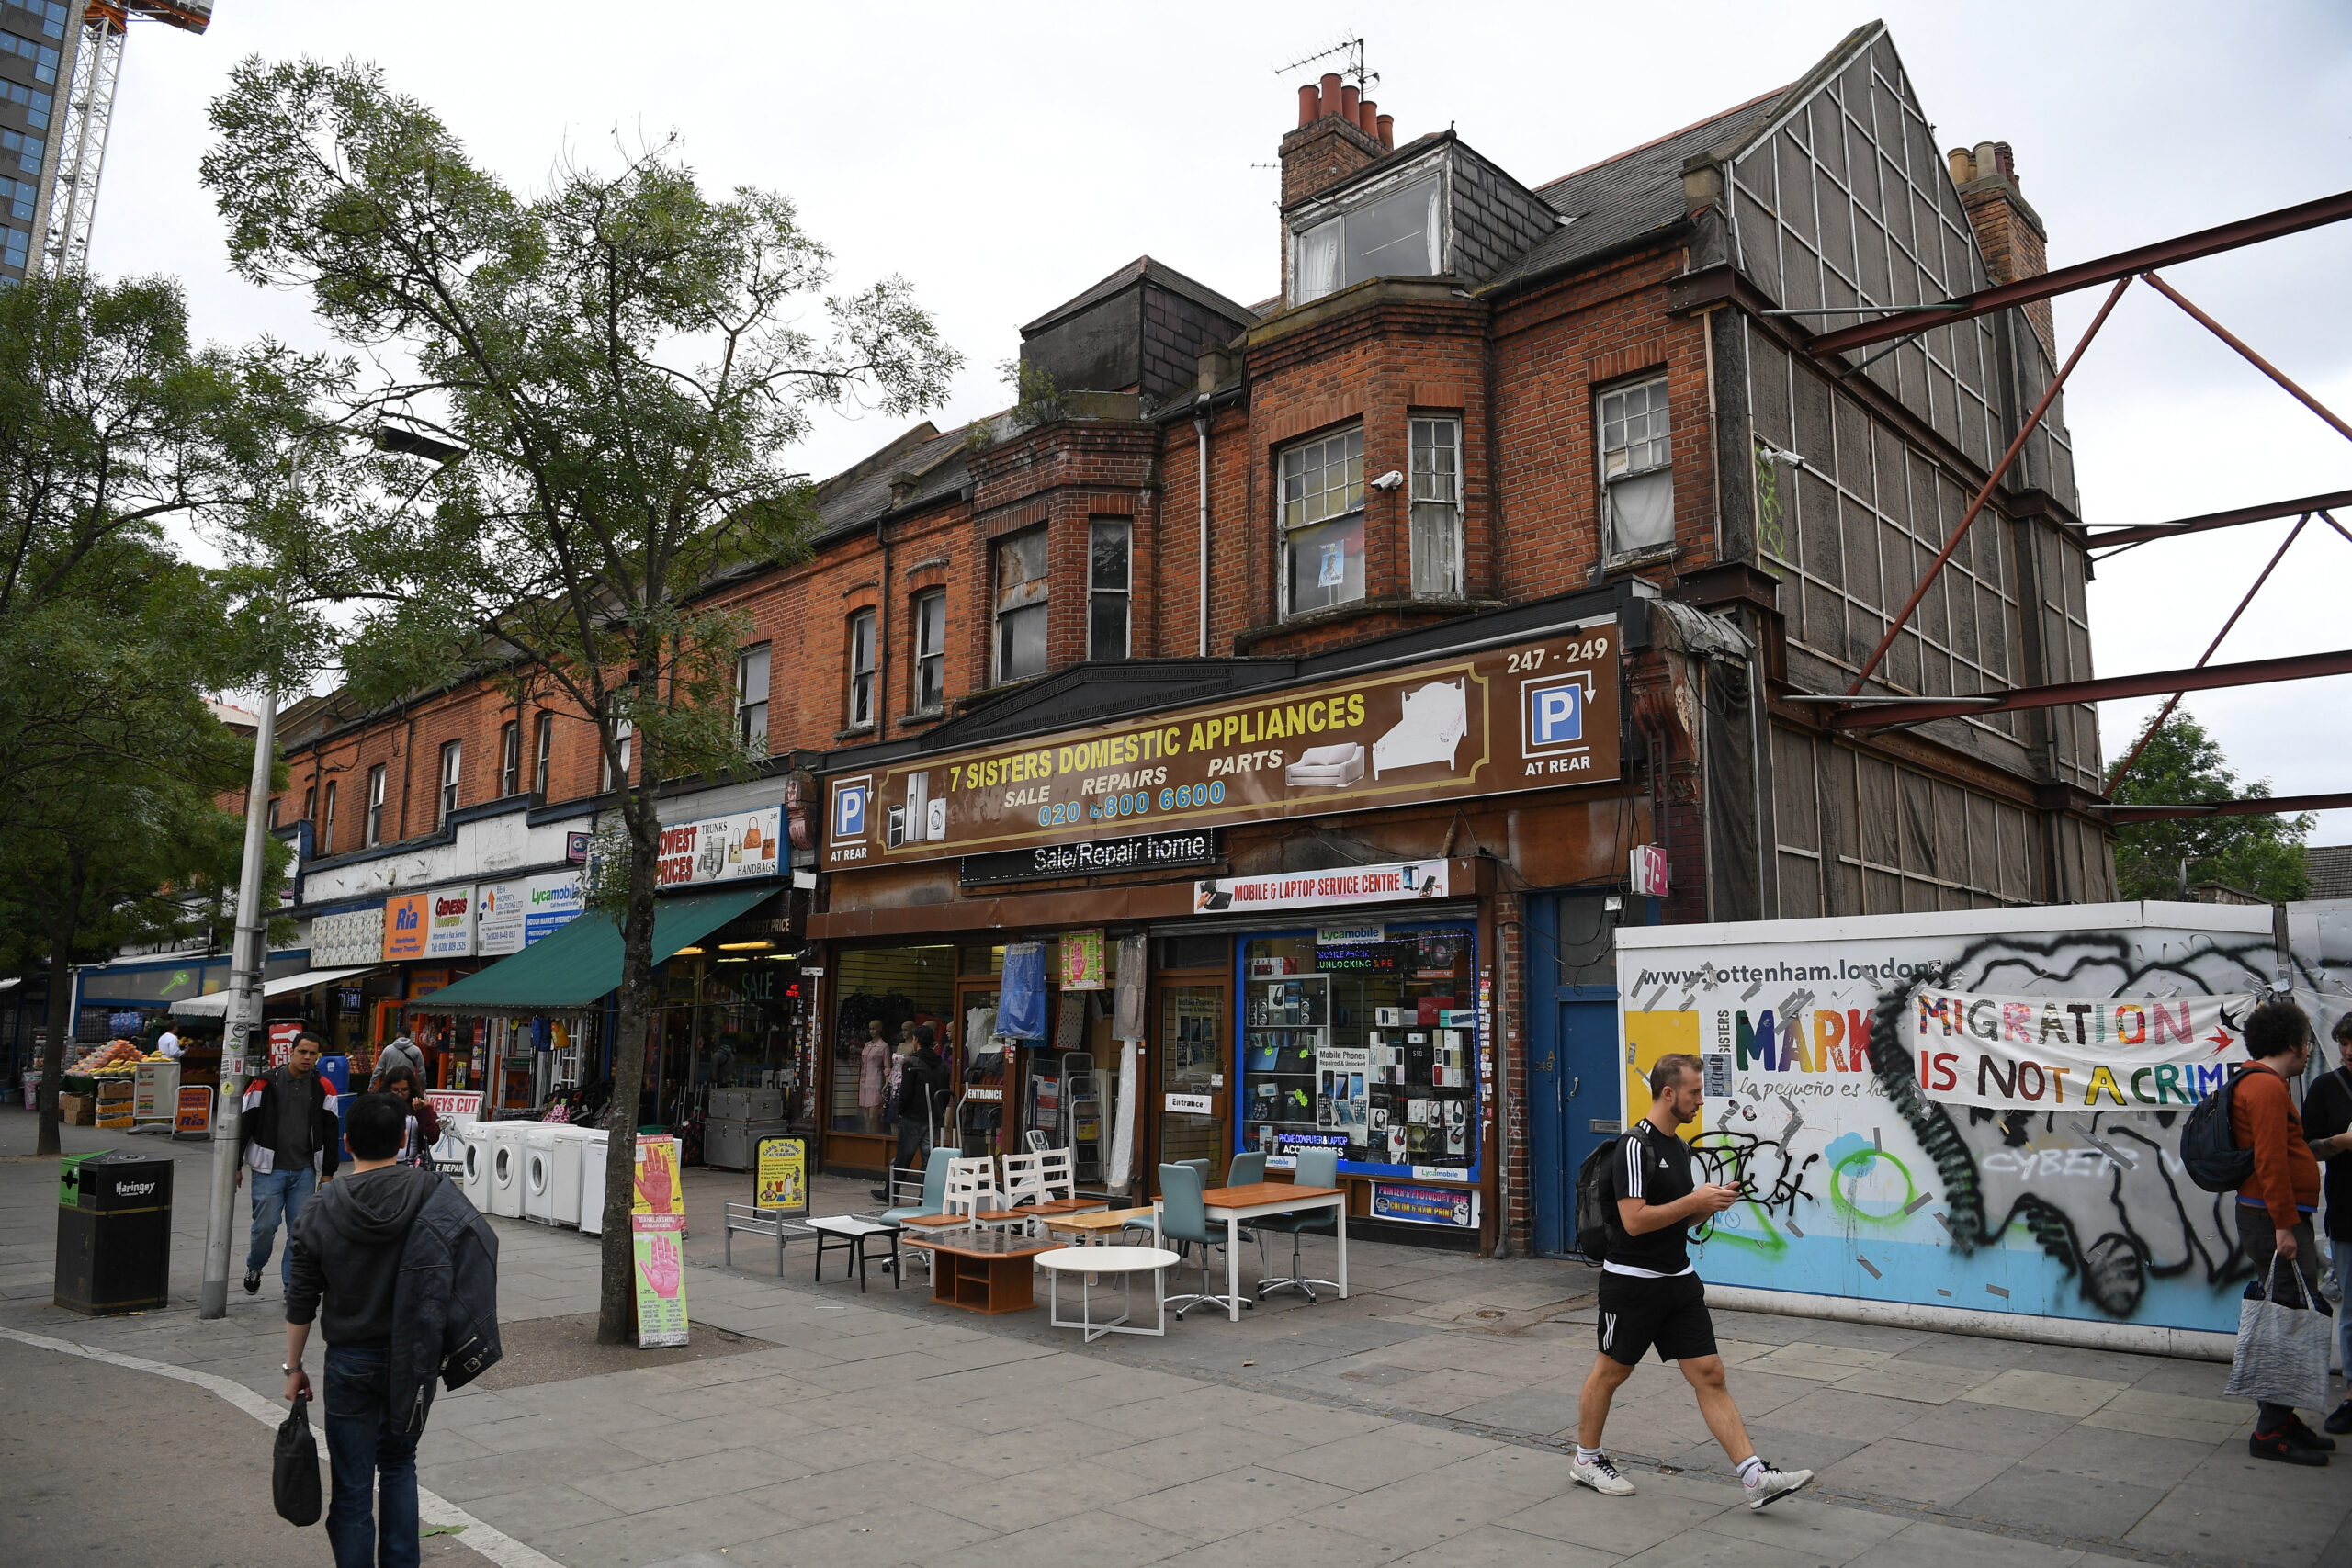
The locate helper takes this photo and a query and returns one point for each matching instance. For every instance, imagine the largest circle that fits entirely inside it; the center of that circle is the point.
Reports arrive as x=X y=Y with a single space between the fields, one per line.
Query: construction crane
x=70 y=183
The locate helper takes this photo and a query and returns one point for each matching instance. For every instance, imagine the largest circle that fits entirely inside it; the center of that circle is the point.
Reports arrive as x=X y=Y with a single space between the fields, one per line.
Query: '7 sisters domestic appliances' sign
x=1535 y=714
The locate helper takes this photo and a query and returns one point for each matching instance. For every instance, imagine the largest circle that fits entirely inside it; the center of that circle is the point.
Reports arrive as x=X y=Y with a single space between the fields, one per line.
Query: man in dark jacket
x=346 y=1251
x=290 y=1139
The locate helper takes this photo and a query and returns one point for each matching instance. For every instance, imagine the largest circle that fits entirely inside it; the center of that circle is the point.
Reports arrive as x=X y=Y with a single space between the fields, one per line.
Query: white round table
x=1086 y=1262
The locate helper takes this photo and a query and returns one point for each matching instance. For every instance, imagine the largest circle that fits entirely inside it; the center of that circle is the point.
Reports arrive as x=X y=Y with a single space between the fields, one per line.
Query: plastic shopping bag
x=2282 y=1343
x=294 y=1471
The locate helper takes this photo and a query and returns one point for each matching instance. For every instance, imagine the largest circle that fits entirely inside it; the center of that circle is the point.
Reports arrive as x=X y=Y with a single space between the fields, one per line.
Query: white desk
x=1235 y=1204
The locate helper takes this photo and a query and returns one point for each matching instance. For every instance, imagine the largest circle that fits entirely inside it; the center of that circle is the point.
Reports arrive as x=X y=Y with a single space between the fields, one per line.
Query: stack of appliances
x=737 y=1121
x=594 y=1142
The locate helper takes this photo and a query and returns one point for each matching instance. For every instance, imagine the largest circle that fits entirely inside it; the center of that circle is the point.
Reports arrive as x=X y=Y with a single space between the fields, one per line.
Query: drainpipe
x=881 y=639
x=1201 y=479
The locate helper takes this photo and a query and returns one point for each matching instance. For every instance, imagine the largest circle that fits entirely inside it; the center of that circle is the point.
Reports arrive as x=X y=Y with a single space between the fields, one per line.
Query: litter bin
x=114 y=1239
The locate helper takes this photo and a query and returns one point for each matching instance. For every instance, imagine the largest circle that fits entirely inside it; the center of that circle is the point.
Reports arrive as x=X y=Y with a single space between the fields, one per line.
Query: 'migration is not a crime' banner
x=2049 y=1052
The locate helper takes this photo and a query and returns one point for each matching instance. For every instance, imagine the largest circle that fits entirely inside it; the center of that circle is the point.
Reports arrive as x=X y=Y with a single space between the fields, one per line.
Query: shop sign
x=1092 y=857
x=499 y=910
x=575 y=847
x=1351 y=936
x=1082 y=960
x=1322 y=889
x=1537 y=715
x=194 y=1112
x=281 y=1043
x=1189 y=1104
x=449 y=922
x=1453 y=1206
x=720 y=849
x=1648 y=873
x=406 y=918
x=454 y=1107
x=348 y=940
x=552 y=903
x=781 y=1179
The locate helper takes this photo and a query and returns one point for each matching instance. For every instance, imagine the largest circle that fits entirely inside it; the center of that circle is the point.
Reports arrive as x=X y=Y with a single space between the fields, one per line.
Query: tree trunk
x=62 y=926
x=617 y=1302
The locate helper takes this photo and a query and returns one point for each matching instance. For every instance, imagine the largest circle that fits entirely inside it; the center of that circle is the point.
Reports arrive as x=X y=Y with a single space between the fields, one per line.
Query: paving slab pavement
x=1426 y=1421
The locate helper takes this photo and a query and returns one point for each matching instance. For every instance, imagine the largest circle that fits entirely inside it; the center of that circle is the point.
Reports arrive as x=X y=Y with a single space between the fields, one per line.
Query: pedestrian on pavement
x=400 y=1276
x=919 y=1077
x=1650 y=1295
x=424 y=1122
x=2327 y=1122
x=2276 y=1205
x=290 y=1141
x=402 y=1051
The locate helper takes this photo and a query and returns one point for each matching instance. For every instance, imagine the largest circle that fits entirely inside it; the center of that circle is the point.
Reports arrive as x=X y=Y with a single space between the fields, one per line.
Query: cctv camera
x=1388 y=480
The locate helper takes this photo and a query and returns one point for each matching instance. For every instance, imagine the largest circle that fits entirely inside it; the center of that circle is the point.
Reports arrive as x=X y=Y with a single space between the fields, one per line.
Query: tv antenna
x=1351 y=47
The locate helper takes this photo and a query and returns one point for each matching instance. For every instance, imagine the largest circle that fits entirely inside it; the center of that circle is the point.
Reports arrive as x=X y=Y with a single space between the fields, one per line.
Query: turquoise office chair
x=1316 y=1167
x=1182 y=1218
x=933 y=1201
x=1247 y=1170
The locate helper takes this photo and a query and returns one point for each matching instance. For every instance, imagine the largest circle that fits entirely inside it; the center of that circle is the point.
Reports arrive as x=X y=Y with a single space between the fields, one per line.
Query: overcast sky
x=1004 y=157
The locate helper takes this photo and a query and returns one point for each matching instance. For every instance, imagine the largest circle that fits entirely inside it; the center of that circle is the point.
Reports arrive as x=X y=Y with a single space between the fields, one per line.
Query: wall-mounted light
x=687 y=952
x=745 y=946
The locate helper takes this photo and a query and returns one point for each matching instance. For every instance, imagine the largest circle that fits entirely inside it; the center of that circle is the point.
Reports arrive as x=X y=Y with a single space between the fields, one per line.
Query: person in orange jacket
x=2276 y=1205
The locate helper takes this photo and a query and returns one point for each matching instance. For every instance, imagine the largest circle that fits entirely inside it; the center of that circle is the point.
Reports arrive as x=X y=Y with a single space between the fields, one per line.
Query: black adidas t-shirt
x=1656 y=1167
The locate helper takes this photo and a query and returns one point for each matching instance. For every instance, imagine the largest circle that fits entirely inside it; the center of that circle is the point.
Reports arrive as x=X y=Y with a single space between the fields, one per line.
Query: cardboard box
x=76 y=1109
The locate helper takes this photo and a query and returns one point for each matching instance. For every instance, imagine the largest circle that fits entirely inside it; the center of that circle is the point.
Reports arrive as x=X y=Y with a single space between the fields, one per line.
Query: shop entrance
x=1193 y=1100
x=1573 y=1091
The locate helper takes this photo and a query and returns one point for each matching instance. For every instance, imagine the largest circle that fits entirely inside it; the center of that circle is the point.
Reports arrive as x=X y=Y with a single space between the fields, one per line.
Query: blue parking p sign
x=1555 y=714
x=849 y=811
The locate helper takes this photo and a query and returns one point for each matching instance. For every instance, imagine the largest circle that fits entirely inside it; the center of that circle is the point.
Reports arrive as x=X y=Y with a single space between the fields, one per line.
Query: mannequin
x=873 y=1069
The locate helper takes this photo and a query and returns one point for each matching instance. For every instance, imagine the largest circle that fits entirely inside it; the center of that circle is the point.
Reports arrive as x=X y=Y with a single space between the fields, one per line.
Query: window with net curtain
x=1021 y=605
x=1322 y=501
x=1636 y=468
x=1398 y=235
x=1437 y=505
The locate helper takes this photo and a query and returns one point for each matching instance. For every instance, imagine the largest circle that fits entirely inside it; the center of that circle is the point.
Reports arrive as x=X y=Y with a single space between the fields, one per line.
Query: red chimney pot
x=1368 y=117
x=1330 y=92
x=1310 y=104
x=1348 y=99
x=1389 y=131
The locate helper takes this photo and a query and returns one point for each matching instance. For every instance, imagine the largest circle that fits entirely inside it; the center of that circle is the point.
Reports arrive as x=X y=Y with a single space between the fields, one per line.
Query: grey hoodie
x=347 y=1245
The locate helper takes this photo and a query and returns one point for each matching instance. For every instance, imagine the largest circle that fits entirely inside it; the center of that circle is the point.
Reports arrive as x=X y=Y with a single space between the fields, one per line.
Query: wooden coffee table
x=983 y=1271
x=1102 y=1222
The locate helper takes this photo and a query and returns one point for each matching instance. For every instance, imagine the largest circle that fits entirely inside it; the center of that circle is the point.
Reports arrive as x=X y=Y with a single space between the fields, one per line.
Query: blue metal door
x=1573 y=1072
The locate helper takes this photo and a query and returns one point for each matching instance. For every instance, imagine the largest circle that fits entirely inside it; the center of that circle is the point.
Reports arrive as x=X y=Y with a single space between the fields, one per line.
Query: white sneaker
x=1774 y=1485
x=1602 y=1477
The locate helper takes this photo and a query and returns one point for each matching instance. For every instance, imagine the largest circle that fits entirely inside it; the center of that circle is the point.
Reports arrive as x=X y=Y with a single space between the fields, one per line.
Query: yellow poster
x=659 y=1191
x=1648 y=1036
x=1083 y=960
x=782 y=1176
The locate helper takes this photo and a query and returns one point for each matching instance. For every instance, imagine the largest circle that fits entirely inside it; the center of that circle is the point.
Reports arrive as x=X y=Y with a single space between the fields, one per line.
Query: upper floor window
x=626 y=734
x=309 y=804
x=1437 y=505
x=861 y=669
x=544 y=757
x=931 y=652
x=1322 y=517
x=273 y=811
x=326 y=823
x=510 y=758
x=1021 y=605
x=1109 y=586
x=751 y=694
x=1401 y=235
x=452 y=755
x=375 y=806
x=1637 y=466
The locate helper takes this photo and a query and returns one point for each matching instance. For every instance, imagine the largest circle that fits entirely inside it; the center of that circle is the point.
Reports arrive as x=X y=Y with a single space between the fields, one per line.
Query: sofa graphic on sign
x=1326 y=767
x=1435 y=718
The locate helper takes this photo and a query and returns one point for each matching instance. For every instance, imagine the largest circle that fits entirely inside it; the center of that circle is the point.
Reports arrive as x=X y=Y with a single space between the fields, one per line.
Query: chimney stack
x=1340 y=131
x=2008 y=230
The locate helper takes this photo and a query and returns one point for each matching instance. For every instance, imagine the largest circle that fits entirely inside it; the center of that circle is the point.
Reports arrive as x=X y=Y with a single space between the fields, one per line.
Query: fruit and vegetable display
x=117 y=1058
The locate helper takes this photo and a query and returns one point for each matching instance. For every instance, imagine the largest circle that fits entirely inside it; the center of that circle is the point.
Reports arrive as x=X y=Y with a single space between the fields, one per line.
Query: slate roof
x=1144 y=267
x=935 y=462
x=2330 y=870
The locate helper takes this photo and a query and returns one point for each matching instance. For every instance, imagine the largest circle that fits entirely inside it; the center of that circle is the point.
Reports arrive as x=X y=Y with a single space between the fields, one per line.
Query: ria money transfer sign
x=1976 y=1110
x=1536 y=714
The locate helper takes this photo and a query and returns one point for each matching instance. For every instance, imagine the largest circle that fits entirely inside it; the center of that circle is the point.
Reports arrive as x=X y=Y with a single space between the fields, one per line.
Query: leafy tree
x=620 y=364
x=2183 y=766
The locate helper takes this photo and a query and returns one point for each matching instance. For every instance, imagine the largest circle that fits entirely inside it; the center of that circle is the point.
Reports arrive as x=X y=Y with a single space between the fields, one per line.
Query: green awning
x=572 y=970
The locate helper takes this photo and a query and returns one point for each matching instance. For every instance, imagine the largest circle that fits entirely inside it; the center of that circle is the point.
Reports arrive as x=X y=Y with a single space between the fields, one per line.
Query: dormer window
x=1398 y=233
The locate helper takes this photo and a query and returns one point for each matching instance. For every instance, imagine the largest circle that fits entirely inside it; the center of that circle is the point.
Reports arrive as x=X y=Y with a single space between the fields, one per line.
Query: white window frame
x=1431 y=485
x=1124 y=593
x=1040 y=600
x=453 y=763
x=1438 y=172
x=1634 y=459
x=543 y=760
x=931 y=652
x=510 y=757
x=751 y=708
x=1299 y=513
x=375 y=806
x=625 y=735
x=862 y=665
x=326 y=822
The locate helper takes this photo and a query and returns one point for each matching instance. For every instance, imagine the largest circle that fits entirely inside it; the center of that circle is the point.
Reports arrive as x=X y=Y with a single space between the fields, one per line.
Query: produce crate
x=77 y=1110
x=120 y=1123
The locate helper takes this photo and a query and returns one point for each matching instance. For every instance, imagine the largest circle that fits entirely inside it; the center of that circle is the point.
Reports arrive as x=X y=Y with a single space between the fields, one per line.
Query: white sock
x=1751 y=1471
x=1586 y=1455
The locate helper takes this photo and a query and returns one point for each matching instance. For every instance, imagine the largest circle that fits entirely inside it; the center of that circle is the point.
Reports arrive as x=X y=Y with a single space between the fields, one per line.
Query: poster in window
x=1083 y=960
x=1332 y=569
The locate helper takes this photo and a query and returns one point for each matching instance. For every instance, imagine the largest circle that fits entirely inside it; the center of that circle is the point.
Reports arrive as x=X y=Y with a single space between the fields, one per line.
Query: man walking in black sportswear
x=1651 y=1296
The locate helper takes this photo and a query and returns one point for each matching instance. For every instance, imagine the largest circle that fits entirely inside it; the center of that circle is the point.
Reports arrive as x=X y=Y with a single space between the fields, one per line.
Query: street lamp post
x=243 y=1024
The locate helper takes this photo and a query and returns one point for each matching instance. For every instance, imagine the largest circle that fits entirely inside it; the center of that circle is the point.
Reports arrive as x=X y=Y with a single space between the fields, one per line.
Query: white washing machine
x=505 y=1149
x=564 y=1196
x=473 y=1174
x=595 y=1142
x=538 y=1173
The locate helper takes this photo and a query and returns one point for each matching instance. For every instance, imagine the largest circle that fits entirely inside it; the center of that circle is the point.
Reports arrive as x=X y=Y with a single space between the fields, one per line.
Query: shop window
x=546 y=757
x=1322 y=517
x=881 y=994
x=375 y=806
x=510 y=758
x=452 y=759
x=1636 y=468
x=1109 y=587
x=1398 y=235
x=326 y=823
x=1370 y=1047
x=931 y=652
x=628 y=734
x=751 y=695
x=1437 y=506
x=1021 y=605
x=861 y=669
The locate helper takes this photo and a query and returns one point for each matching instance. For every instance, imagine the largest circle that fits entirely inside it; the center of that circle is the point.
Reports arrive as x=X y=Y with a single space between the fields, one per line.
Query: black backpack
x=1594 y=1211
x=2208 y=1148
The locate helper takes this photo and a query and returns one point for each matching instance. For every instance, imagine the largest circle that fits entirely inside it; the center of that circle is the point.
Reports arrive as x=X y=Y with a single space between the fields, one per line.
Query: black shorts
x=1636 y=1313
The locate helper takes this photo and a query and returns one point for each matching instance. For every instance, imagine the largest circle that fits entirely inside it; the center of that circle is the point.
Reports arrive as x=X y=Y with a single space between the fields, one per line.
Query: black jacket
x=922 y=1086
x=259 y=1123
x=445 y=1309
x=348 y=1245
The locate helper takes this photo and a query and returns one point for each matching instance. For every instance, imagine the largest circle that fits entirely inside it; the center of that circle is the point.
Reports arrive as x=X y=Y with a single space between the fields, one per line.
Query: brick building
x=1489 y=431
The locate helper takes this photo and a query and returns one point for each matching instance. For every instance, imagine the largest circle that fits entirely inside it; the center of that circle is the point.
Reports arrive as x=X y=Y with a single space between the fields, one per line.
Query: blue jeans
x=276 y=1193
x=365 y=1456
